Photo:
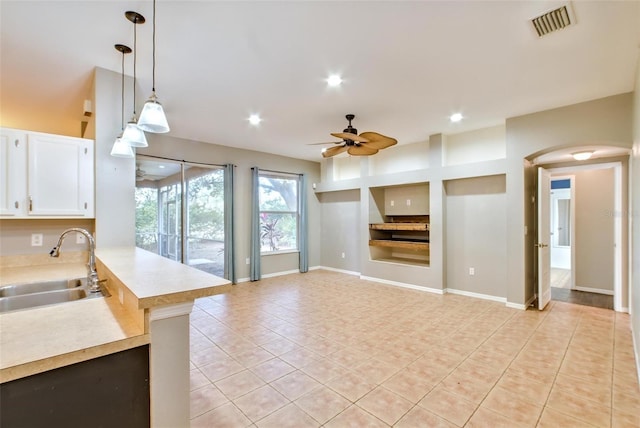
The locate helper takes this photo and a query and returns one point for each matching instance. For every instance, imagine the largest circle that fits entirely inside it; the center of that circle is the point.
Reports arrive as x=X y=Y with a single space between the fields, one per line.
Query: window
x=278 y=212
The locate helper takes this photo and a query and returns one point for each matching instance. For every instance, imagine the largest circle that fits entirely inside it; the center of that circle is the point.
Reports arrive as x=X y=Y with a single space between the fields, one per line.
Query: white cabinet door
x=13 y=169
x=60 y=176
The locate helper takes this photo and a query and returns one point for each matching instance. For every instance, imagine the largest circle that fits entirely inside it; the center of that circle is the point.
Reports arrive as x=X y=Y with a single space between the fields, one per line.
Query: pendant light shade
x=121 y=147
x=152 y=117
x=132 y=133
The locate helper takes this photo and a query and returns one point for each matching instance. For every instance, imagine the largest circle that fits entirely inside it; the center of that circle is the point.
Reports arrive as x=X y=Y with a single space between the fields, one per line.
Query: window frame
x=296 y=213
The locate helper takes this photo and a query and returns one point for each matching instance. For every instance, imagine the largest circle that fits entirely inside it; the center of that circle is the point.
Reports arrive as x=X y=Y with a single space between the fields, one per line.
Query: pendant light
x=152 y=118
x=134 y=135
x=121 y=147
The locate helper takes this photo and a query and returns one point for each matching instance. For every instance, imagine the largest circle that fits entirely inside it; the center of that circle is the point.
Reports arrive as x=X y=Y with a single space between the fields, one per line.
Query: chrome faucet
x=92 y=274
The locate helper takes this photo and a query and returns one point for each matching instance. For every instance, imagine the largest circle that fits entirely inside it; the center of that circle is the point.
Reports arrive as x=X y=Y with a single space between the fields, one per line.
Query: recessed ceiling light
x=161 y=166
x=582 y=155
x=324 y=150
x=334 y=80
x=255 y=119
x=455 y=117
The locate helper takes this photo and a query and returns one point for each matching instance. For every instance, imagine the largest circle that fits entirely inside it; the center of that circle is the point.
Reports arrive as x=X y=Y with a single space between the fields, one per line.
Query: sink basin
x=24 y=301
x=37 y=287
x=33 y=294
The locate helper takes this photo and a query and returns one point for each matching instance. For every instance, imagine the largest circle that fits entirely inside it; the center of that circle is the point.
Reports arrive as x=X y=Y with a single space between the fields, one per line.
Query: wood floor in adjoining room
x=328 y=349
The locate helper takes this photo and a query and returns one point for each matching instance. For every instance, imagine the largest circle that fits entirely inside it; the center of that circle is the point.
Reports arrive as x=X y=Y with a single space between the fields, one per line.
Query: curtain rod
x=182 y=160
x=278 y=172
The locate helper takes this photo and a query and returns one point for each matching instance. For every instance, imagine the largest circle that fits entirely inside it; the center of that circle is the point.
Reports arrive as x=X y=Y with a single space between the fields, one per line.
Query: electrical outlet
x=80 y=238
x=408 y=202
x=36 y=239
x=343 y=255
x=248 y=260
x=472 y=271
x=392 y=203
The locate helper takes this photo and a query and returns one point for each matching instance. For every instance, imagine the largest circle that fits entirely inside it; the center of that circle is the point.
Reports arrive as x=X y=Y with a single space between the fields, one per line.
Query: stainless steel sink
x=38 y=287
x=24 y=301
x=29 y=295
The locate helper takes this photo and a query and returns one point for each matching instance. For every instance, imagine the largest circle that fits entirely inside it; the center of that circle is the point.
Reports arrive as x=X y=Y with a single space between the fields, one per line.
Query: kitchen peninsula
x=151 y=299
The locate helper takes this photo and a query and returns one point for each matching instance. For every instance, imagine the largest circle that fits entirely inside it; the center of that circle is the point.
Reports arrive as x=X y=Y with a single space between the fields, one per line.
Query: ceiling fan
x=365 y=144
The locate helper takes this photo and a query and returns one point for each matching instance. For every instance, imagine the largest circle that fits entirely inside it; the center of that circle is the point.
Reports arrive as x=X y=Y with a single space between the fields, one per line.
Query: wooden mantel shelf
x=409 y=245
x=421 y=227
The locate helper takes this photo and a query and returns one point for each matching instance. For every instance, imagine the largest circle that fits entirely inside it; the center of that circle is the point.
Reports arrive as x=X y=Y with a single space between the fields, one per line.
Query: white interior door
x=561 y=227
x=544 y=233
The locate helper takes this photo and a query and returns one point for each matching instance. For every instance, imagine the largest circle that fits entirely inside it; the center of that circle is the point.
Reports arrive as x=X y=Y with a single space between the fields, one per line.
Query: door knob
x=541 y=245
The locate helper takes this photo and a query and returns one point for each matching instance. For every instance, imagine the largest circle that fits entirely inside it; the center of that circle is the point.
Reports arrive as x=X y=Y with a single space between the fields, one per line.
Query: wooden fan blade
x=362 y=151
x=378 y=141
x=349 y=136
x=332 y=151
x=328 y=142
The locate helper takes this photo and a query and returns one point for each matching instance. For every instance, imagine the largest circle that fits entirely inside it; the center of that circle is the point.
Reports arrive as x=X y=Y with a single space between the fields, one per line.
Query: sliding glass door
x=180 y=212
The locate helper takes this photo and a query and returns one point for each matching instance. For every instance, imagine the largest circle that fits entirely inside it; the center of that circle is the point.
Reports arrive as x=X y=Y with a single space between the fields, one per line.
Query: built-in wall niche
x=399 y=224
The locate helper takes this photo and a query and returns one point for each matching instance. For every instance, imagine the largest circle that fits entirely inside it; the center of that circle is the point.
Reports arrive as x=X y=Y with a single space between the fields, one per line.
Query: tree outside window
x=278 y=213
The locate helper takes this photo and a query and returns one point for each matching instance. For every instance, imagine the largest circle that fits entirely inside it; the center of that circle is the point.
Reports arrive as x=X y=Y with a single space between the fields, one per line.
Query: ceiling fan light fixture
x=584 y=155
x=455 y=117
x=334 y=80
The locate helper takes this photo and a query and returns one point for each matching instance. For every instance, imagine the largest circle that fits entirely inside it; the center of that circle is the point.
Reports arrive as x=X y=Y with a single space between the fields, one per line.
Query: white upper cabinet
x=54 y=176
x=13 y=165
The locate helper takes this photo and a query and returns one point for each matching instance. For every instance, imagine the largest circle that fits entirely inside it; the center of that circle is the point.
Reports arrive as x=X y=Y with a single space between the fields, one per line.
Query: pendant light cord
x=135 y=54
x=153 y=72
x=122 y=94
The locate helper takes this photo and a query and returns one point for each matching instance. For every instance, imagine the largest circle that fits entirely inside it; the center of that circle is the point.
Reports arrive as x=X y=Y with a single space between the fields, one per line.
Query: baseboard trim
x=636 y=352
x=595 y=290
x=520 y=305
x=348 y=272
x=402 y=284
x=476 y=295
x=284 y=272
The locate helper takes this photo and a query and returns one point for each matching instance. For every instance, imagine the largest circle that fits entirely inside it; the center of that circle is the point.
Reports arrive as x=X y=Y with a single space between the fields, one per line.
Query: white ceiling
x=407 y=65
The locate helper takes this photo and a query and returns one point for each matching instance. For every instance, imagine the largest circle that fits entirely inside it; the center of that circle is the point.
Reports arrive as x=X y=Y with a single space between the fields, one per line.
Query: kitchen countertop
x=44 y=338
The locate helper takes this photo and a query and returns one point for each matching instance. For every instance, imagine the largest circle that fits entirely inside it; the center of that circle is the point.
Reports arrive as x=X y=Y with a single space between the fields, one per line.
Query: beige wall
x=341 y=230
x=475 y=146
x=476 y=235
x=15 y=235
x=635 y=220
x=594 y=232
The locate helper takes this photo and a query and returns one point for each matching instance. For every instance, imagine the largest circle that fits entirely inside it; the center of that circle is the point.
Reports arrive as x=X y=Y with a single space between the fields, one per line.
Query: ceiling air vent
x=552 y=21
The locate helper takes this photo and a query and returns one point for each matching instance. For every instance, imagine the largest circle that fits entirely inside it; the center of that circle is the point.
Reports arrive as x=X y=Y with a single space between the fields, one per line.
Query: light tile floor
x=328 y=349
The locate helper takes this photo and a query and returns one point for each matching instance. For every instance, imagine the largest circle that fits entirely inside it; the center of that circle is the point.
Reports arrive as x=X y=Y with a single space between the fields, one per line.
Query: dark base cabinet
x=110 y=391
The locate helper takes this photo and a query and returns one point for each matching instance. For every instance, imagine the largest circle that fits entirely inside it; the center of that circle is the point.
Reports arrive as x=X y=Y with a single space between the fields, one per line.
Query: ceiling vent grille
x=554 y=20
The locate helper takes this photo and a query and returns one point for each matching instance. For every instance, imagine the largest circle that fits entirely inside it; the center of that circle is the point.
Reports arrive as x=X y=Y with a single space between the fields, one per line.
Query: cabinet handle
x=30 y=204
x=85 y=150
x=16 y=204
x=16 y=142
x=85 y=205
